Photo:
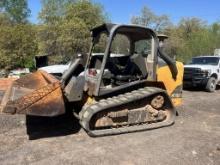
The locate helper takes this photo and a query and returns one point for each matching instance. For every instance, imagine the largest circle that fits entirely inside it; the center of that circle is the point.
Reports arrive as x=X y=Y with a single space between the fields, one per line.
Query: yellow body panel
x=177 y=101
x=164 y=75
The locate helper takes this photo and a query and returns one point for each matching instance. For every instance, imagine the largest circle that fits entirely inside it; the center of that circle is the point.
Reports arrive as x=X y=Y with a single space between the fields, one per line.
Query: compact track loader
x=127 y=84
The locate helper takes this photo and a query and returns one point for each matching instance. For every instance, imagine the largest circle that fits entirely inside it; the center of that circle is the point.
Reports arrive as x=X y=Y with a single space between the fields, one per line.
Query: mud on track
x=193 y=139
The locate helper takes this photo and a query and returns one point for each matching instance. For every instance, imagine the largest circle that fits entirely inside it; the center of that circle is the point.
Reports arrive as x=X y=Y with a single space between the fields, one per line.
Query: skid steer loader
x=127 y=84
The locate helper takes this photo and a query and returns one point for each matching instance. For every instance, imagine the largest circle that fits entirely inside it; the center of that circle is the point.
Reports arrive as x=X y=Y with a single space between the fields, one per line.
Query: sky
x=121 y=11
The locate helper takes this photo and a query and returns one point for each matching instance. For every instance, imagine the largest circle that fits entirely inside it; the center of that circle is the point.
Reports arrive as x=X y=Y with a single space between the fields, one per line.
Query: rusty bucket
x=37 y=94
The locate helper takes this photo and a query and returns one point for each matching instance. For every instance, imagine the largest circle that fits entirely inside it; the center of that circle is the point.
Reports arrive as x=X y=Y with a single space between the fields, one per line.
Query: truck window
x=205 y=60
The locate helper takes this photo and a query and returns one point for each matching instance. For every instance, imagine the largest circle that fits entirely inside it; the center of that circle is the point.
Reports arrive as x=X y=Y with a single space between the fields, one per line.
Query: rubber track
x=87 y=113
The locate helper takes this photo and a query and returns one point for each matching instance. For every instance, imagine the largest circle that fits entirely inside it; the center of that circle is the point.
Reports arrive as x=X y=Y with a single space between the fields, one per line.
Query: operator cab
x=119 y=57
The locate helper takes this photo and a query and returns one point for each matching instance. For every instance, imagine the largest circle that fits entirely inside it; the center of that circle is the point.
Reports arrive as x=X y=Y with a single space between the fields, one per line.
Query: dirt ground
x=193 y=139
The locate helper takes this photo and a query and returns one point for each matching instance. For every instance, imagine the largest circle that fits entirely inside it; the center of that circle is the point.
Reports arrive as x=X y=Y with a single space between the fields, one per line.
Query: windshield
x=205 y=60
x=100 y=44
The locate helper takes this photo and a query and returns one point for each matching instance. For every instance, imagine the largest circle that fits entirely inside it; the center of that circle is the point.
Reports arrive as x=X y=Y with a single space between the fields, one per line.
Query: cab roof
x=135 y=32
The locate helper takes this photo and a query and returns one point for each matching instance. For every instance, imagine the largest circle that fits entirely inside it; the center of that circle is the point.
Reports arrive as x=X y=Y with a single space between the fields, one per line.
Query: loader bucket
x=37 y=94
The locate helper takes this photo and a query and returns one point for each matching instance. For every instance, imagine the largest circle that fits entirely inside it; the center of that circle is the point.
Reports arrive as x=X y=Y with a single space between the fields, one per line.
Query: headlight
x=206 y=72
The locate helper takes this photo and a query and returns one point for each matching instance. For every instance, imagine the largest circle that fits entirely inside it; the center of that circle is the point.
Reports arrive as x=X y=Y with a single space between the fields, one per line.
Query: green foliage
x=17 y=46
x=65 y=26
x=192 y=37
x=17 y=10
x=188 y=26
x=90 y=13
x=150 y=19
x=17 y=42
x=53 y=10
x=65 y=31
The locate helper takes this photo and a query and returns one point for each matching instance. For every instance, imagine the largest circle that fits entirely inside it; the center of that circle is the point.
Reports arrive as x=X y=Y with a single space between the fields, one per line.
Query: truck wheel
x=211 y=85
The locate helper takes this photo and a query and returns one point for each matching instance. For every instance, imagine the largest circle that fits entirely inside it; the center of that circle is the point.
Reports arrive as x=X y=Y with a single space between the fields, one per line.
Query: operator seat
x=140 y=62
x=126 y=69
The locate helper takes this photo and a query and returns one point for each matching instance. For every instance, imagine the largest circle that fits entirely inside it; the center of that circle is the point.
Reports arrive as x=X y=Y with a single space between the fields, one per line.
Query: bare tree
x=150 y=19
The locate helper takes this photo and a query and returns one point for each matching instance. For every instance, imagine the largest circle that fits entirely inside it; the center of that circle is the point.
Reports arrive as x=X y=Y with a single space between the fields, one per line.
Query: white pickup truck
x=202 y=71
